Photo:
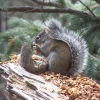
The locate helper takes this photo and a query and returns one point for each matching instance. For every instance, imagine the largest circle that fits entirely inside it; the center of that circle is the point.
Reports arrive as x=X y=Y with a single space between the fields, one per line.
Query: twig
x=87 y=8
x=98 y=1
x=46 y=10
x=42 y=15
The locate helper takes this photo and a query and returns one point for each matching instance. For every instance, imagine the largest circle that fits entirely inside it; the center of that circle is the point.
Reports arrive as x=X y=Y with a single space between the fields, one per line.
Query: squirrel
x=66 y=51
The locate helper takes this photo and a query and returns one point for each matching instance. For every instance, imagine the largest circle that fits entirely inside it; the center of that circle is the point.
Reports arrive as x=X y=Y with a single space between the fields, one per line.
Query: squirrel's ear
x=47 y=30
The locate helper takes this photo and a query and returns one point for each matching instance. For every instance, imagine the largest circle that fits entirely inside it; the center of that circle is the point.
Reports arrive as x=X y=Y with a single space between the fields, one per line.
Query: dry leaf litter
x=73 y=87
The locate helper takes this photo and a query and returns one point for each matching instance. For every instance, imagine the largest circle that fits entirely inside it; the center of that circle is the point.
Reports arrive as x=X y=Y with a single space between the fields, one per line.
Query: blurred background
x=22 y=20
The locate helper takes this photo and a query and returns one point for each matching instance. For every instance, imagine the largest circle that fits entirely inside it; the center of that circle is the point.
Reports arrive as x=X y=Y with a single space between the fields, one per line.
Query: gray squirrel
x=66 y=52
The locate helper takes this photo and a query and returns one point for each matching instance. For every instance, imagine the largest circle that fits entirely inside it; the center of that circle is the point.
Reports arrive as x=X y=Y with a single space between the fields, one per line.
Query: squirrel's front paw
x=42 y=67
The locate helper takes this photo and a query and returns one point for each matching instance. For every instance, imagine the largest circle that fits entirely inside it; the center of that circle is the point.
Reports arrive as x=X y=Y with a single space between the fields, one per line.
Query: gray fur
x=77 y=44
x=26 y=59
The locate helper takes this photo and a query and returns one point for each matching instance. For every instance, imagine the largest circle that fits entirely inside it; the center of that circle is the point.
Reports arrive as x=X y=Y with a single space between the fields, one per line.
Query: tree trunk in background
x=3 y=21
x=3 y=27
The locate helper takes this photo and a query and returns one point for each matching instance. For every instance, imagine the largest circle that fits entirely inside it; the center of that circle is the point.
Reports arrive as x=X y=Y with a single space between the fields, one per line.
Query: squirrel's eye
x=38 y=37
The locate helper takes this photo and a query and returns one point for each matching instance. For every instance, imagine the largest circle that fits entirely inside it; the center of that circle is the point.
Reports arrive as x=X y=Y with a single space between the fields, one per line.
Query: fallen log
x=26 y=86
x=22 y=85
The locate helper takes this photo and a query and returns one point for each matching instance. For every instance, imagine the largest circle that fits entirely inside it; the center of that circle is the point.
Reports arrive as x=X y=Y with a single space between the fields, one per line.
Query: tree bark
x=3 y=21
x=22 y=85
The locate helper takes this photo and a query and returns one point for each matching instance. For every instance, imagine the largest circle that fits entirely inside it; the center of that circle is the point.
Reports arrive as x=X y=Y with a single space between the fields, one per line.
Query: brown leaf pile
x=73 y=87
x=14 y=59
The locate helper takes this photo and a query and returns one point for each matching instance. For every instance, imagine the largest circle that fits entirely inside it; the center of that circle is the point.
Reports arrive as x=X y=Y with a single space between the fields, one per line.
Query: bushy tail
x=77 y=44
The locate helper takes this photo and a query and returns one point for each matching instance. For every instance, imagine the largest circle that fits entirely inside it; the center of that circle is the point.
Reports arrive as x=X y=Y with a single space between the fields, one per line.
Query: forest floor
x=73 y=87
